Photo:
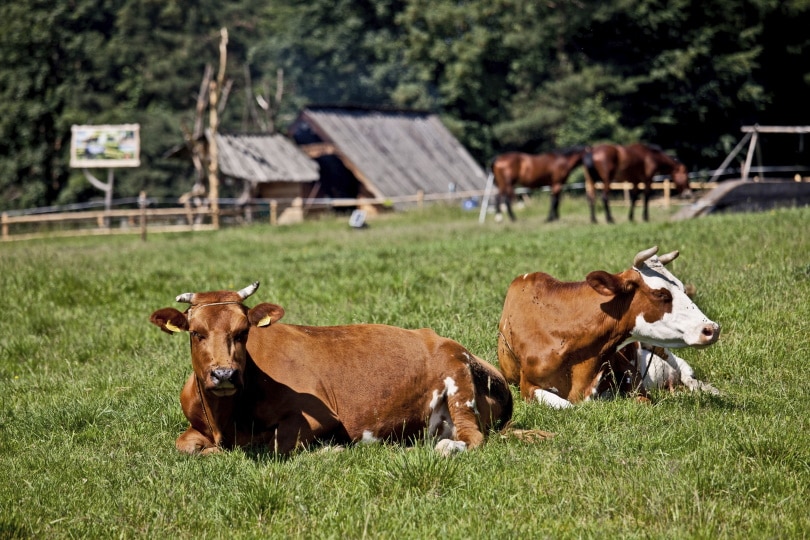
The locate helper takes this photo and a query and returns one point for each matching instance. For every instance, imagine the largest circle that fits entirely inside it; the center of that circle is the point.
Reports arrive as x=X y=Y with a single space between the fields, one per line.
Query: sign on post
x=105 y=146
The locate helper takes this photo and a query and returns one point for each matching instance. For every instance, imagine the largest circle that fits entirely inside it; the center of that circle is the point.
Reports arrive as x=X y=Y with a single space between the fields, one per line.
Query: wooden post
x=142 y=204
x=4 y=221
x=667 y=188
x=274 y=212
x=420 y=198
x=213 y=156
x=214 y=92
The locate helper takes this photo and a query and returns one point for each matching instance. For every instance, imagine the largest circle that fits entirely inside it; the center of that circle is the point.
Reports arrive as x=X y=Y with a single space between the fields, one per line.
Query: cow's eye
x=197 y=336
x=663 y=295
x=241 y=337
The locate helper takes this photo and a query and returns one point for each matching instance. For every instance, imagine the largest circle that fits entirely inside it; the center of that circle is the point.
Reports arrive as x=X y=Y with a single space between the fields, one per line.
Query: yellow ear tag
x=172 y=328
x=266 y=320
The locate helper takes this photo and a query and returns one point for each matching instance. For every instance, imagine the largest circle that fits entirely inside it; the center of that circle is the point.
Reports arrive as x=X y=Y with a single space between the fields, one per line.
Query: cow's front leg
x=537 y=387
x=453 y=417
x=550 y=399
x=194 y=442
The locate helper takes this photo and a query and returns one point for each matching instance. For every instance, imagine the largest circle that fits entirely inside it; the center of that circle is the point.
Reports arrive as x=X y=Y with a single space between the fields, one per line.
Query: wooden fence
x=187 y=218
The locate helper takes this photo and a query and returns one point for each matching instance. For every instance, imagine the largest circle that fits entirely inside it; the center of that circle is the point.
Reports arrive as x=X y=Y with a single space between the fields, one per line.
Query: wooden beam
x=316 y=150
x=776 y=129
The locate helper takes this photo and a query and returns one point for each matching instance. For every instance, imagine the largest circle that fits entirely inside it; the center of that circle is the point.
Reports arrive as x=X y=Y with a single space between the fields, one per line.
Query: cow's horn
x=185 y=297
x=668 y=258
x=642 y=256
x=247 y=291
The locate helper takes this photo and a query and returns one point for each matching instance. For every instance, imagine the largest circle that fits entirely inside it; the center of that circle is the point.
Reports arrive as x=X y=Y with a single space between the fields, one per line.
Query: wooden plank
x=775 y=129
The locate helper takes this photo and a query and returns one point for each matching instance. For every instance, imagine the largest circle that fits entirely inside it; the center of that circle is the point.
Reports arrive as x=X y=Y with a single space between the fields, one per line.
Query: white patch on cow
x=544 y=397
x=470 y=404
x=369 y=438
x=450 y=386
x=435 y=399
x=440 y=423
x=684 y=326
x=669 y=372
x=447 y=447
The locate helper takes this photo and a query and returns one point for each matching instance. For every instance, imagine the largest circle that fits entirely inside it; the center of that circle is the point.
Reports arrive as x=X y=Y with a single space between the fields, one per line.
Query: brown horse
x=636 y=163
x=533 y=171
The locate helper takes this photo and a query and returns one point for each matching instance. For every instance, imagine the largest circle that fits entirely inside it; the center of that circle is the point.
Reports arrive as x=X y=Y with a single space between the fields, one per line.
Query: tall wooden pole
x=215 y=89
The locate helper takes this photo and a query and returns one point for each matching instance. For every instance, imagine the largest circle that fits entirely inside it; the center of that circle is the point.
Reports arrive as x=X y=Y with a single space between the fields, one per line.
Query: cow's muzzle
x=224 y=381
x=709 y=334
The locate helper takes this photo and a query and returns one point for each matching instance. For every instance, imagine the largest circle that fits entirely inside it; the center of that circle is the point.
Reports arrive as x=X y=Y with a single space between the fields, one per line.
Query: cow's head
x=655 y=302
x=218 y=324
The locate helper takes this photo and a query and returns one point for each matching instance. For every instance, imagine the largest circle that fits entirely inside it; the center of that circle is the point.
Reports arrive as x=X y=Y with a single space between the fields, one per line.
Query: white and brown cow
x=256 y=381
x=556 y=339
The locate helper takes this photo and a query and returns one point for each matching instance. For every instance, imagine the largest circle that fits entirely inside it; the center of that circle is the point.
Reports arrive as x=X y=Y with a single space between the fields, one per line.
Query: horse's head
x=680 y=177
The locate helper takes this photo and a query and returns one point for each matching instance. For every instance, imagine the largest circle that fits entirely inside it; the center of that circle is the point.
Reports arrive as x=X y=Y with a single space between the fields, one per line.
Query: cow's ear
x=605 y=284
x=170 y=320
x=265 y=314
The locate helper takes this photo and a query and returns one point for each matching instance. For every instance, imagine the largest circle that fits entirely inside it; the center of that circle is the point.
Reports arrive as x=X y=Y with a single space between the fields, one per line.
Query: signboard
x=105 y=146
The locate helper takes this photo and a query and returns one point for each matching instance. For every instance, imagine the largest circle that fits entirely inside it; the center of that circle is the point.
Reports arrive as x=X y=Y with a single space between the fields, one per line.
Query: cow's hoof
x=447 y=447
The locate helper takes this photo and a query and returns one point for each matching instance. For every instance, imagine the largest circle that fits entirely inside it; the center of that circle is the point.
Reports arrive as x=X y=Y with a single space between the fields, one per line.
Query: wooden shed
x=262 y=166
x=384 y=153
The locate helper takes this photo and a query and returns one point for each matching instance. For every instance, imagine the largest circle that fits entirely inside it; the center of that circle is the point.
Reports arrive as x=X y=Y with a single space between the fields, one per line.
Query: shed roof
x=264 y=158
x=396 y=153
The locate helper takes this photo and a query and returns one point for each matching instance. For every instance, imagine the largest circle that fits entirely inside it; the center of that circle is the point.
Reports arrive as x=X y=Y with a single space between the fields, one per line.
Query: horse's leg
x=553 y=213
x=647 y=193
x=605 y=202
x=633 y=198
x=498 y=200
x=590 y=194
x=509 y=207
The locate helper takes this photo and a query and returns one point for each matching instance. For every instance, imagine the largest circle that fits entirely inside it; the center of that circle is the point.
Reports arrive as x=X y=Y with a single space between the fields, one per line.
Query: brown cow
x=556 y=340
x=259 y=382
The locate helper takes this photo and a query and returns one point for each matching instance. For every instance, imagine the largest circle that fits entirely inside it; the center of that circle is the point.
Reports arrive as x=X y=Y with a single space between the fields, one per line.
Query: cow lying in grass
x=556 y=339
x=256 y=381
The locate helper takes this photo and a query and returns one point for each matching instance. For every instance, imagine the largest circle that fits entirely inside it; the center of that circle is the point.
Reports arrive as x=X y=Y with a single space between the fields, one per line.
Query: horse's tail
x=587 y=162
x=491 y=164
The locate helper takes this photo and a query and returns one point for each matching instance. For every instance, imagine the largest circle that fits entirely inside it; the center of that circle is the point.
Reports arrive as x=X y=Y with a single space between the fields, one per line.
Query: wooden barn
x=270 y=165
x=260 y=166
x=384 y=154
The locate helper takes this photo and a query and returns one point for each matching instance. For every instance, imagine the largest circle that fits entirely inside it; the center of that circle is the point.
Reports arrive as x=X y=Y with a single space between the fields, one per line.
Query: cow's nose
x=223 y=375
x=710 y=333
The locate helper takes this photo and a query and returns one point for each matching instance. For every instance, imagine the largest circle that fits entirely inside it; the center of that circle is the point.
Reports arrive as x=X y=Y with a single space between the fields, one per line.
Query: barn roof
x=264 y=158
x=394 y=152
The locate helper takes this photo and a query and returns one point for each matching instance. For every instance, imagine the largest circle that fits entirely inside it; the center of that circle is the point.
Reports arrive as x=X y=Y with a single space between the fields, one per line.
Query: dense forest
x=503 y=74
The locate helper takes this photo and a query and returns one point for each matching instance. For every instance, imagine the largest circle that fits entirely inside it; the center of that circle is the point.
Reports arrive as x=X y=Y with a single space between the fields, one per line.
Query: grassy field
x=89 y=389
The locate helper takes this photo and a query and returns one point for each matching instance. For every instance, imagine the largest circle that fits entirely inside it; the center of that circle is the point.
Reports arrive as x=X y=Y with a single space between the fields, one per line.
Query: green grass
x=89 y=389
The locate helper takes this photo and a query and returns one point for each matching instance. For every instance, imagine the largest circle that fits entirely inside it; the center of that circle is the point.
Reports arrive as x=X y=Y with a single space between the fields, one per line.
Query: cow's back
x=370 y=377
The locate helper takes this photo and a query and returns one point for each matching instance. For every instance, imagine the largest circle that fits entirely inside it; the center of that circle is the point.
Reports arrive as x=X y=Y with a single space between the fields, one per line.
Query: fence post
x=420 y=198
x=667 y=188
x=274 y=212
x=4 y=220
x=142 y=204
